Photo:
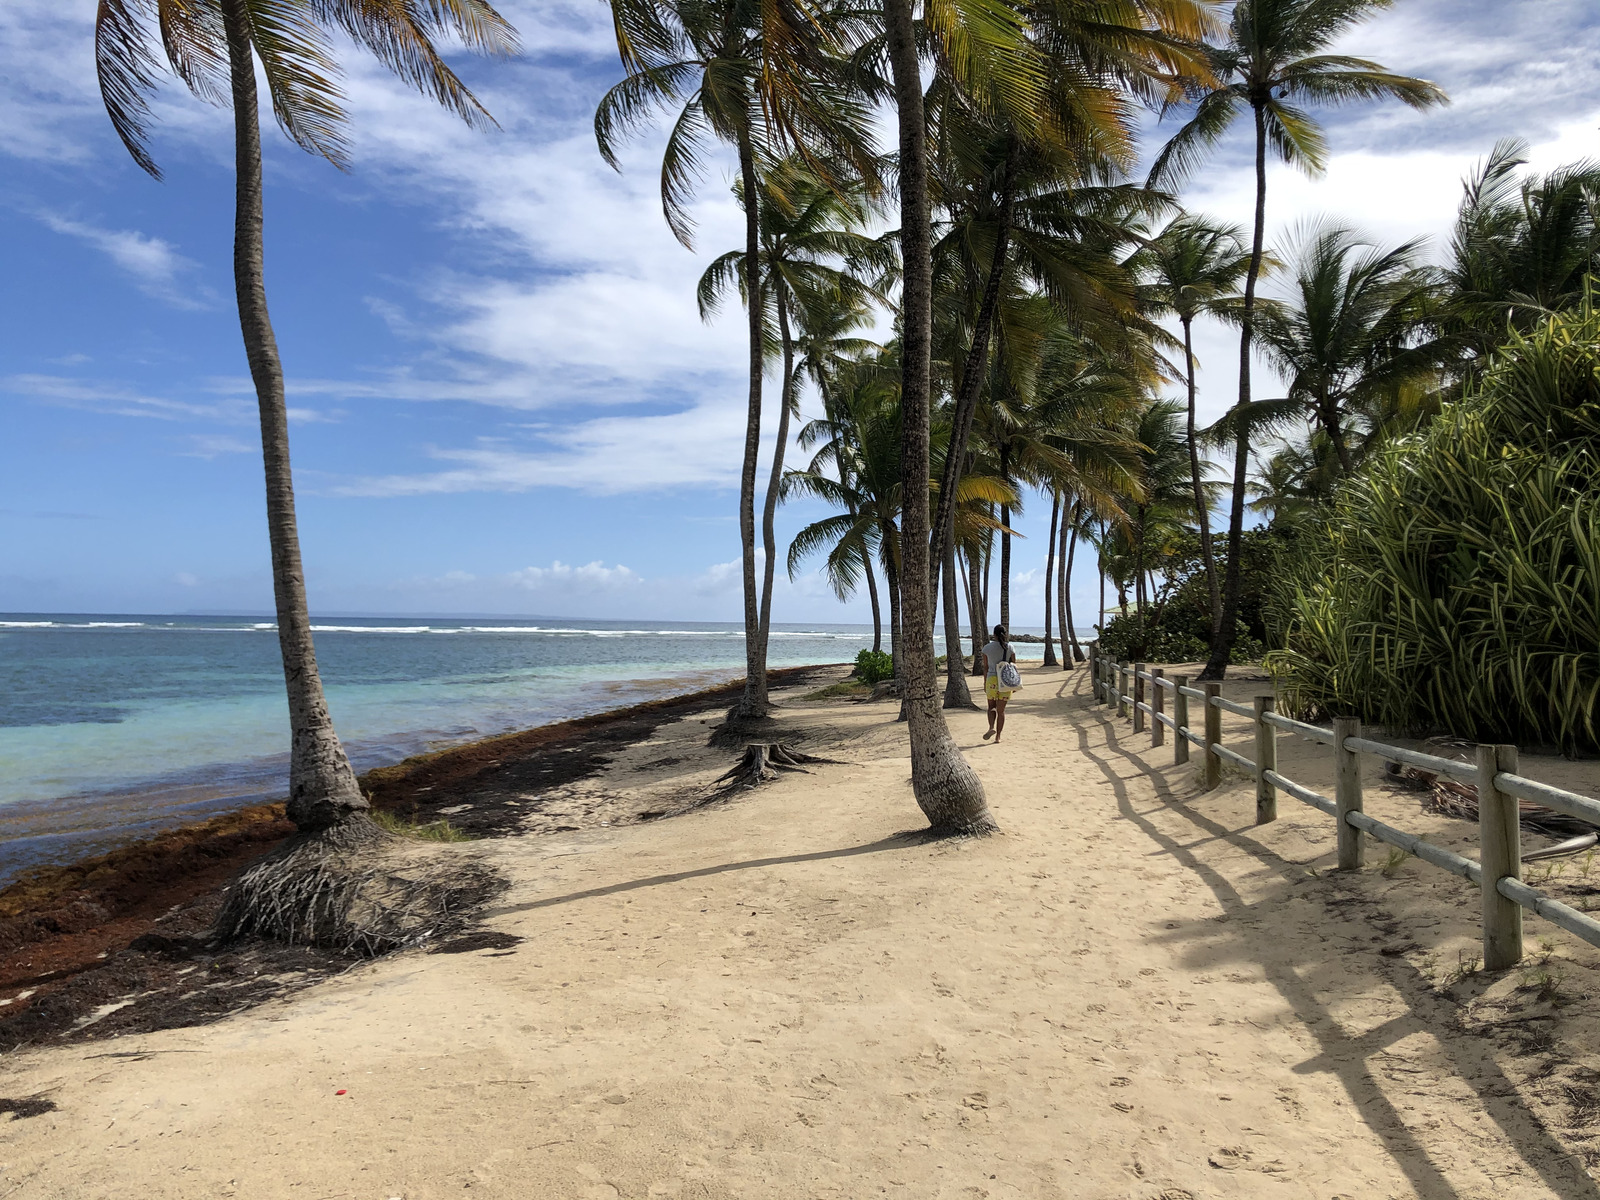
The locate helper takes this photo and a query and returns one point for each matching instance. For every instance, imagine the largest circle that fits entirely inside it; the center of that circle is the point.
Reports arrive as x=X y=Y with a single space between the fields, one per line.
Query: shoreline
x=60 y=924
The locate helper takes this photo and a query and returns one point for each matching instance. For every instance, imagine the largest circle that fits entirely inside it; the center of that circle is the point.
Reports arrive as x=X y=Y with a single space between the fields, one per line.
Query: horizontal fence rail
x=1498 y=873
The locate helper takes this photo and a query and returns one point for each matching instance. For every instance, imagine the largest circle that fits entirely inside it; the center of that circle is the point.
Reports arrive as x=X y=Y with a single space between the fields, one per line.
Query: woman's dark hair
x=1000 y=634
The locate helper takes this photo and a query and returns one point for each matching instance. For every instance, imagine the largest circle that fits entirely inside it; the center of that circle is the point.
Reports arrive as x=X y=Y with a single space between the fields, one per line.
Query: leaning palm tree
x=1272 y=61
x=1191 y=268
x=817 y=269
x=215 y=47
x=755 y=75
x=314 y=887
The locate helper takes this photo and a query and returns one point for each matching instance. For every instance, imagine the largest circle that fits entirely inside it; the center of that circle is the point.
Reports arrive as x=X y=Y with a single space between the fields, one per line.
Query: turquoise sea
x=114 y=726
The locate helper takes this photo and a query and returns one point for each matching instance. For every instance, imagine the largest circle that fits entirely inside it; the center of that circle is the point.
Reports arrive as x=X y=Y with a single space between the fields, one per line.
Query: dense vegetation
x=1454 y=582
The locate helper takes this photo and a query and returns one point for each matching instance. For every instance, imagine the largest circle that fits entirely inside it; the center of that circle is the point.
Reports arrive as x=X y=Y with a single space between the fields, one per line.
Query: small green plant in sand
x=1545 y=981
x=1393 y=863
x=1466 y=965
x=874 y=666
x=430 y=831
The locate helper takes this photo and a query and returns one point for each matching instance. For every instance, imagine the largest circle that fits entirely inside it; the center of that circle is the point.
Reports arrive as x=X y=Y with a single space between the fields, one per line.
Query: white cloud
x=591 y=577
x=185 y=579
x=118 y=400
x=695 y=447
x=155 y=265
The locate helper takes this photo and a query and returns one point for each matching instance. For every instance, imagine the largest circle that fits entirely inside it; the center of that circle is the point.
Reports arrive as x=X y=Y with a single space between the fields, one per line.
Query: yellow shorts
x=993 y=690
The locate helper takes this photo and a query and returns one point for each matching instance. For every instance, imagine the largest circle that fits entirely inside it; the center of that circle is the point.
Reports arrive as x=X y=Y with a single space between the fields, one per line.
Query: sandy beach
x=1132 y=992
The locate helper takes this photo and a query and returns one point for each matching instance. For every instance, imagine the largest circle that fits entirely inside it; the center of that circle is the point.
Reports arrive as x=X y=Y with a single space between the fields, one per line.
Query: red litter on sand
x=340 y=1092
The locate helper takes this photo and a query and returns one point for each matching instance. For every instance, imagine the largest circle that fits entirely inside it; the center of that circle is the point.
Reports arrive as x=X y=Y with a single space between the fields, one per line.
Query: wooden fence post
x=1138 y=697
x=1122 y=690
x=1500 y=856
x=1158 y=702
x=1180 y=720
x=1266 y=760
x=1094 y=672
x=1213 y=728
x=1347 y=793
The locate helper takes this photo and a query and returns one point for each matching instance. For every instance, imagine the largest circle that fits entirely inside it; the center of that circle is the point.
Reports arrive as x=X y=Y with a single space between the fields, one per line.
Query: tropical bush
x=1454 y=584
x=1177 y=626
x=874 y=666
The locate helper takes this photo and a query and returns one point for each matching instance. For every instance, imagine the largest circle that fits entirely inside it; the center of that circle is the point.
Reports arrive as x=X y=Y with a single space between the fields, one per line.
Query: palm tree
x=1347 y=338
x=1272 y=59
x=1192 y=266
x=1522 y=247
x=946 y=787
x=214 y=48
x=756 y=75
x=811 y=253
x=857 y=469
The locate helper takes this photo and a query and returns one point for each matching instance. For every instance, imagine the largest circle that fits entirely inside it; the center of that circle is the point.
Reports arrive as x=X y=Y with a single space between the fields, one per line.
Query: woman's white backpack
x=1009 y=676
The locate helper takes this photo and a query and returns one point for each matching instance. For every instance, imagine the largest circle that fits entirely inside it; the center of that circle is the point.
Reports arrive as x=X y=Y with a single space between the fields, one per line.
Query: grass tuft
x=431 y=831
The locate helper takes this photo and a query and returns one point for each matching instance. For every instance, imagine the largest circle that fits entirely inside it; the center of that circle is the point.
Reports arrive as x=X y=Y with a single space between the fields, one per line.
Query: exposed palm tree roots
x=355 y=888
x=763 y=762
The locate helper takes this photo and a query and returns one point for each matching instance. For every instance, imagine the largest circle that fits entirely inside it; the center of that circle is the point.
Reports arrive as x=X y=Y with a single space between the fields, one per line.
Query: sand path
x=1123 y=996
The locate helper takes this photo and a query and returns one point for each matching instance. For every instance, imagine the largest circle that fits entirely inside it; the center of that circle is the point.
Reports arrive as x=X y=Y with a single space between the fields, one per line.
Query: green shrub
x=874 y=666
x=1454 y=585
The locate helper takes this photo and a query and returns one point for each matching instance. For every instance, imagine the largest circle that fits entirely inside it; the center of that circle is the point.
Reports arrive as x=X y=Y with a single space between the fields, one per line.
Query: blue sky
x=503 y=399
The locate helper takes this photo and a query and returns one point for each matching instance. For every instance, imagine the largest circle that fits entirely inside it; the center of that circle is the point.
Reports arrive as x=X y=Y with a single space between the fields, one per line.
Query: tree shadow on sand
x=1231 y=939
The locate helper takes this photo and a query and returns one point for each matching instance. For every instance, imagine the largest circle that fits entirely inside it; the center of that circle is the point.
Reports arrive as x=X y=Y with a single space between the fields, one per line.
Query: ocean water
x=112 y=727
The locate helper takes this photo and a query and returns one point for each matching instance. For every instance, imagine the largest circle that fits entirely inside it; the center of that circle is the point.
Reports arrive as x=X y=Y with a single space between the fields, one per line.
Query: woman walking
x=998 y=654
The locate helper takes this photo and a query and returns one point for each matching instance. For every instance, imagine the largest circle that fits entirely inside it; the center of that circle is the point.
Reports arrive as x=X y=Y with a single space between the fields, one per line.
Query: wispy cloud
x=698 y=446
x=118 y=400
x=156 y=266
x=210 y=445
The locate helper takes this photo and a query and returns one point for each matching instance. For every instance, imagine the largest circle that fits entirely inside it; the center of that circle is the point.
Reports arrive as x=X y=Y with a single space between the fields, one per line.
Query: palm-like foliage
x=1272 y=64
x=292 y=39
x=215 y=47
x=1522 y=247
x=761 y=76
x=1346 y=339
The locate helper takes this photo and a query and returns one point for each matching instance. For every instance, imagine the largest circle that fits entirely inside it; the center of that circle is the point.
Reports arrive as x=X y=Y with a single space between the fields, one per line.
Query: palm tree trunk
x=1222 y=645
x=1100 y=616
x=1066 y=589
x=769 y=509
x=1049 y=581
x=956 y=693
x=322 y=787
x=977 y=615
x=891 y=579
x=1005 y=542
x=946 y=787
x=754 y=702
x=872 y=593
x=1330 y=422
x=975 y=366
x=1201 y=507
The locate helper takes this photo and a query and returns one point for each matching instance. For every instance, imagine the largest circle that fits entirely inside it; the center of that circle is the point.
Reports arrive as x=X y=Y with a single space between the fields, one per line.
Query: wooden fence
x=1498 y=871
